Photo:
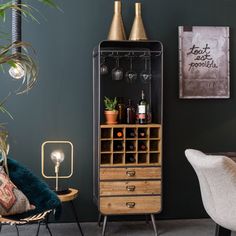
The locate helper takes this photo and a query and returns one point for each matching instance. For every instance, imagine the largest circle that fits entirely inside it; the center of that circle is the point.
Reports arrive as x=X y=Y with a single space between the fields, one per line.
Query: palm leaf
x=50 y=3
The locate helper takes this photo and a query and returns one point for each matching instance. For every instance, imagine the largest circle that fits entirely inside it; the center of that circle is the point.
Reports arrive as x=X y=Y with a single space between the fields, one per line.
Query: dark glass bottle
x=149 y=114
x=130 y=147
x=142 y=110
x=142 y=146
x=142 y=133
x=130 y=134
x=118 y=146
x=130 y=158
x=121 y=110
x=130 y=113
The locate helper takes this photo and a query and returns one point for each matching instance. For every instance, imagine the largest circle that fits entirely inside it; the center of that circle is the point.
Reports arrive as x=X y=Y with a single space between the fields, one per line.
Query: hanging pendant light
x=17 y=71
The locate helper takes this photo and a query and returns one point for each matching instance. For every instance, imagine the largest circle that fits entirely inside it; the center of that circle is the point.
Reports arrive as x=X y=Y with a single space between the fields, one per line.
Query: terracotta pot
x=111 y=117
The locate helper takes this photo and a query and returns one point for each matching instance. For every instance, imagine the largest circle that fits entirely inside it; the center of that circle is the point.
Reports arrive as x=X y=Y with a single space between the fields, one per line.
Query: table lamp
x=57 y=156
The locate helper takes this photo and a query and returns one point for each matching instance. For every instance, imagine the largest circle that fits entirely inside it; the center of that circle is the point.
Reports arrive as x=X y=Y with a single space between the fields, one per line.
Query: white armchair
x=217 y=179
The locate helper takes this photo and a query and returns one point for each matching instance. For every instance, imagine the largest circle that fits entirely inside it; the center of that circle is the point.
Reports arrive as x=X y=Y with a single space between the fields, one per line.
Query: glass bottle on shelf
x=149 y=114
x=118 y=146
x=142 y=110
x=130 y=147
x=142 y=133
x=121 y=110
x=130 y=158
x=119 y=134
x=130 y=133
x=130 y=113
x=142 y=146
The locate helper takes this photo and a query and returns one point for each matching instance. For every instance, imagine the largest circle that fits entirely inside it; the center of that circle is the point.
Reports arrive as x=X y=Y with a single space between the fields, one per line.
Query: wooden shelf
x=144 y=148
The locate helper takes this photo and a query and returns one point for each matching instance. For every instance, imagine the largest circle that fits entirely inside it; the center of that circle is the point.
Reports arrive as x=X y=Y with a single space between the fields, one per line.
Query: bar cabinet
x=128 y=180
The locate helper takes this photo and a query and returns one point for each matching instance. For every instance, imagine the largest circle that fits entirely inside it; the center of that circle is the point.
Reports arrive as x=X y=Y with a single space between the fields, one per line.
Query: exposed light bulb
x=17 y=71
x=57 y=156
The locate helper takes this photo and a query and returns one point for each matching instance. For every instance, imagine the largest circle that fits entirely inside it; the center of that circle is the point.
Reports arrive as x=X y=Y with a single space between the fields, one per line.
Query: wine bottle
x=118 y=147
x=142 y=147
x=130 y=147
x=121 y=110
x=142 y=110
x=130 y=113
x=130 y=158
x=142 y=134
x=130 y=134
x=119 y=134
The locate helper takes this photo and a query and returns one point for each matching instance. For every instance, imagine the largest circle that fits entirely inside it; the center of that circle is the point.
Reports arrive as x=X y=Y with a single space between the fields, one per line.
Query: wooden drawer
x=130 y=173
x=130 y=205
x=130 y=188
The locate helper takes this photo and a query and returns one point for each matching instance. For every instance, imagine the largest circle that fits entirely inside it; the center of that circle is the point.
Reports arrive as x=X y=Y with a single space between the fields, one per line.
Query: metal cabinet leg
x=220 y=231
x=99 y=219
x=104 y=225
x=76 y=217
x=146 y=218
x=154 y=224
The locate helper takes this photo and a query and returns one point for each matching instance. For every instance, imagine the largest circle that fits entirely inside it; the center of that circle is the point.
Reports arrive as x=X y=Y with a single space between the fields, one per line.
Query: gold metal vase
x=138 y=31
x=117 y=30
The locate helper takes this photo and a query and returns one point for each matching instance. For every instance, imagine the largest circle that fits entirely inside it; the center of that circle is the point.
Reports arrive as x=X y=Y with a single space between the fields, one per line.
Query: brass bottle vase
x=117 y=30
x=138 y=31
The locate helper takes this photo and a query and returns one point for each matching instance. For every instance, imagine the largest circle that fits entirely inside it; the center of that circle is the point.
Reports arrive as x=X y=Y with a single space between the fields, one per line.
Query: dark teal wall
x=60 y=106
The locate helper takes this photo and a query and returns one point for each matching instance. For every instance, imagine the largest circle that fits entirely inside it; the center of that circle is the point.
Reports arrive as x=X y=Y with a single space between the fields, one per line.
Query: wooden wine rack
x=127 y=187
x=151 y=155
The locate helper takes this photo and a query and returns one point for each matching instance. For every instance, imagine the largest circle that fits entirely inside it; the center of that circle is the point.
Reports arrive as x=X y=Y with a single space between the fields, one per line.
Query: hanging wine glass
x=104 y=68
x=117 y=72
x=131 y=75
x=146 y=75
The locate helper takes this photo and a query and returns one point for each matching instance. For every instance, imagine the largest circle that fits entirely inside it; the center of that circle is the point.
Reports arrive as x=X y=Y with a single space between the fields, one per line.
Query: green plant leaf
x=110 y=104
x=50 y=3
x=4 y=110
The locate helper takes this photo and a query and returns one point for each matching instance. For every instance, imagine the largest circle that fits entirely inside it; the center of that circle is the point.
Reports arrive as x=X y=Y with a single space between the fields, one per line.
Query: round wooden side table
x=70 y=197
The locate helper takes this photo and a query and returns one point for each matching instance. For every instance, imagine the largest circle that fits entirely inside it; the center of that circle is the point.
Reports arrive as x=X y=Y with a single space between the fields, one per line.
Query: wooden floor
x=201 y=227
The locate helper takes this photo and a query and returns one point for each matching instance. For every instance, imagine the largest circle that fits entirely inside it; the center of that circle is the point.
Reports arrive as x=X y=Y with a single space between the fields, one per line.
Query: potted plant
x=110 y=112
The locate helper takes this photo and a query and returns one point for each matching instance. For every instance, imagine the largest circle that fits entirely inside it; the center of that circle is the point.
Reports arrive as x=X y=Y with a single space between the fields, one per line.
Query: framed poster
x=204 y=62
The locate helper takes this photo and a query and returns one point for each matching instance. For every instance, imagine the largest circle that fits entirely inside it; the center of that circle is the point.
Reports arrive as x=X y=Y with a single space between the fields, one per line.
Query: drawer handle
x=130 y=173
x=130 y=188
x=130 y=204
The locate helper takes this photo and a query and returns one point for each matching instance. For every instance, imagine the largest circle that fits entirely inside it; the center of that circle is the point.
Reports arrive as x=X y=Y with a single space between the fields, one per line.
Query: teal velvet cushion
x=36 y=190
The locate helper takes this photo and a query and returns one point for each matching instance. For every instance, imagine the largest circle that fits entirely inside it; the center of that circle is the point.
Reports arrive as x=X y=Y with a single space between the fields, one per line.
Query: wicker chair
x=38 y=218
x=38 y=193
